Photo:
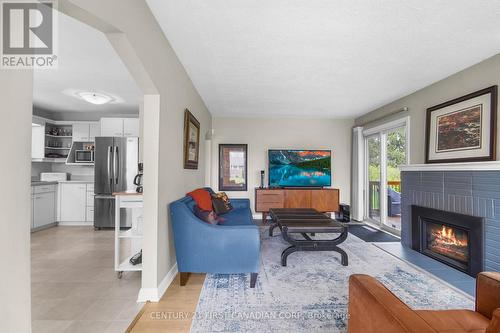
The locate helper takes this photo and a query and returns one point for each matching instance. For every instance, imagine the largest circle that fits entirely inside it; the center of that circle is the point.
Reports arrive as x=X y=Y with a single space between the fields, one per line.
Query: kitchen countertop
x=77 y=181
x=42 y=183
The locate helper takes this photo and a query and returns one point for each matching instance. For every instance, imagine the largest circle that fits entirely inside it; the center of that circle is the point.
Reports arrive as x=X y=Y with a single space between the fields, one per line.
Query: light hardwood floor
x=174 y=312
x=74 y=285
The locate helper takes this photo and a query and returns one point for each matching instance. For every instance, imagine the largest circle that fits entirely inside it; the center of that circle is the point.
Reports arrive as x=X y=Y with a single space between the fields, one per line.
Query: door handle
x=116 y=172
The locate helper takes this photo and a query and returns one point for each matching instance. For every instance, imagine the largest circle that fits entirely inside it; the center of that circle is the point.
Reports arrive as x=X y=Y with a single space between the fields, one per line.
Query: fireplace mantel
x=470 y=166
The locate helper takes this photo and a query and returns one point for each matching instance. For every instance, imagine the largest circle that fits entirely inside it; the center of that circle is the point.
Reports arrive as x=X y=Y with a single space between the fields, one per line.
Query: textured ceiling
x=87 y=61
x=325 y=58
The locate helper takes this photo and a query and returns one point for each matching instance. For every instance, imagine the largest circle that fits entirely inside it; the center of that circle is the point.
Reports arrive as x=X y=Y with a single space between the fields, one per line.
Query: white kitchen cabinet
x=120 y=127
x=111 y=126
x=44 y=209
x=90 y=203
x=73 y=202
x=43 y=206
x=90 y=214
x=131 y=127
x=83 y=131
x=37 y=141
x=94 y=130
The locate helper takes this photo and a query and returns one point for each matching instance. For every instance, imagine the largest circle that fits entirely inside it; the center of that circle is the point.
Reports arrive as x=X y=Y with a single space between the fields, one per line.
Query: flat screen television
x=300 y=168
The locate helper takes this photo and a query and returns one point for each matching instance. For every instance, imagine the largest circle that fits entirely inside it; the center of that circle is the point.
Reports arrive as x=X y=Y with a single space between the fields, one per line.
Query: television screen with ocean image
x=300 y=168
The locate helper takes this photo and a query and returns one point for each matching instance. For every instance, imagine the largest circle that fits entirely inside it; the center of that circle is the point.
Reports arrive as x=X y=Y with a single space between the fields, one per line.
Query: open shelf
x=62 y=148
x=126 y=266
x=131 y=233
x=58 y=136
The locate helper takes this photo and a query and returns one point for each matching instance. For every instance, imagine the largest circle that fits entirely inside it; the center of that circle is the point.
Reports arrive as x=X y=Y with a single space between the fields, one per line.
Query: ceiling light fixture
x=95 y=97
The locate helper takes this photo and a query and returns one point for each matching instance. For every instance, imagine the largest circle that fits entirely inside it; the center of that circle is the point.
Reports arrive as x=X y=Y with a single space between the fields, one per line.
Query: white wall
x=262 y=134
x=163 y=137
x=16 y=91
x=479 y=76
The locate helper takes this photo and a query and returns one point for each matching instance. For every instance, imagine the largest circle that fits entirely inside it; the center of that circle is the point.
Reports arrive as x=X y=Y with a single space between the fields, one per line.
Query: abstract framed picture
x=191 y=141
x=463 y=129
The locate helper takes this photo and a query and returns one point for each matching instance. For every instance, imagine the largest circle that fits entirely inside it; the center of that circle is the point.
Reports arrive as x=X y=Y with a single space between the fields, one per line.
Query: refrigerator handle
x=116 y=172
x=110 y=177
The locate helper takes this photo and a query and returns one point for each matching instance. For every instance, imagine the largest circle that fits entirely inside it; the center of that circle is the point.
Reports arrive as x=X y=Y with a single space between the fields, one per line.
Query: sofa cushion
x=221 y=203
x=455 y=320
x=202 y=198
x=238 y=216
x=495 y=322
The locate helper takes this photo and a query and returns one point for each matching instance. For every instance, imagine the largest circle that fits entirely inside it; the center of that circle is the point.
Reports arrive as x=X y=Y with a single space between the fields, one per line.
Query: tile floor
x=444 y=272
x=74 y=285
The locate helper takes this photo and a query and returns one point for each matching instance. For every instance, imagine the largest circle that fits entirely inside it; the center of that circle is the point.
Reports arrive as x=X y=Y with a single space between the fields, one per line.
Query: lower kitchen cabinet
x=74 y=206
x=73 y=200
x=44 y=210
x=43 y=206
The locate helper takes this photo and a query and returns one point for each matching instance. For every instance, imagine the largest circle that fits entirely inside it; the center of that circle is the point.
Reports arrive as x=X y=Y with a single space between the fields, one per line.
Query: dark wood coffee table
x=304 y=222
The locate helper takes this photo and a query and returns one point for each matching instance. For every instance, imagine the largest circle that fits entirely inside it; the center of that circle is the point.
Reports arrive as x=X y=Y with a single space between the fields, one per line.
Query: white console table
x=131 y=200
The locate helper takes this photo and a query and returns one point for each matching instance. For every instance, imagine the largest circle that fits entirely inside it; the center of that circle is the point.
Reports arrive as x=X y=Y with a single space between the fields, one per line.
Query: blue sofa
x=228 y=248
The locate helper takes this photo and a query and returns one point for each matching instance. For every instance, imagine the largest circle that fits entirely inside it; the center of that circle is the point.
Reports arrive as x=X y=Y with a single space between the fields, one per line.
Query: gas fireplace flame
x=447 y=235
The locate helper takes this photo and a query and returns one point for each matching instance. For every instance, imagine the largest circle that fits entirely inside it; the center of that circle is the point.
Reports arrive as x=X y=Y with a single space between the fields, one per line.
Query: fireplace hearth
x=454 y=239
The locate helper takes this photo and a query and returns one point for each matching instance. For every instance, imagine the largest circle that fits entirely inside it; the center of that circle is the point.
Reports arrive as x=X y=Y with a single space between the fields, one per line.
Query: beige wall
x=163 y=133
x=16 y=91
x=262 y=134
x=479 y=76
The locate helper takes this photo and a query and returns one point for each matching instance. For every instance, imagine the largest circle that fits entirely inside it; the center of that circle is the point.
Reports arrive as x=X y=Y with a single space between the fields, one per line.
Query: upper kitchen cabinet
x=94 y=130
x=37 y=141
x=86 y=131
x=119 y=127
x=131 y=127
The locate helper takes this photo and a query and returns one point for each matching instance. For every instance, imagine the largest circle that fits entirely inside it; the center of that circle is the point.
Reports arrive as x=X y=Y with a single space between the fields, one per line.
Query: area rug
x=311 y=293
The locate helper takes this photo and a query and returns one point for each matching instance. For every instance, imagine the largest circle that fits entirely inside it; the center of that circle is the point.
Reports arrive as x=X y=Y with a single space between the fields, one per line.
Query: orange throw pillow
x=203 y=198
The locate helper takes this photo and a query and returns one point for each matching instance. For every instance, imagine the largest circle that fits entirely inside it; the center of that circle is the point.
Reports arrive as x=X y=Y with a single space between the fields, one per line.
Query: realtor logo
x=28 y=34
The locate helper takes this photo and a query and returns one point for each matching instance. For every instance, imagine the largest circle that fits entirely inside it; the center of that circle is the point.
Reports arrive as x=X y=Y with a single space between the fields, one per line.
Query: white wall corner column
x=357 y=174
x=151 y=157
x=16 y=93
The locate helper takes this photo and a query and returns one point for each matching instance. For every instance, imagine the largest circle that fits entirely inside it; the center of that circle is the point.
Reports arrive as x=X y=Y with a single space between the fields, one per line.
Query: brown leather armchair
x=374 y=309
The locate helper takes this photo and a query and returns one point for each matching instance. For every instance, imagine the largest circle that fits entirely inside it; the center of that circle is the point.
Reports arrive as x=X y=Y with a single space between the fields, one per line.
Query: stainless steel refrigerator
x=116 y=164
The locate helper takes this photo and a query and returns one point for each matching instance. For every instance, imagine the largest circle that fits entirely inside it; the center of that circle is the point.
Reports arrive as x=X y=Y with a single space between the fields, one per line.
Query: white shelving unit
x=131 y=200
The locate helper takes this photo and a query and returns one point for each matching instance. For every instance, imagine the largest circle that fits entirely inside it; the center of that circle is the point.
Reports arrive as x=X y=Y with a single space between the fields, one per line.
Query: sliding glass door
x=385 y=150
x=373 y=160
x=395 y=156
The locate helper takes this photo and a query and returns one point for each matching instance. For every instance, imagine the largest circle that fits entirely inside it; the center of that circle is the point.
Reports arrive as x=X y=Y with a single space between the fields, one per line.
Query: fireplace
x=454 y=239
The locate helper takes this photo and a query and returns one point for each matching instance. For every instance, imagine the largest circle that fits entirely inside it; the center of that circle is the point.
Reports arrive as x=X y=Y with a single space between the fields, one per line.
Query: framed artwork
x=191 y=141
x=463 y=129
x=233 y=167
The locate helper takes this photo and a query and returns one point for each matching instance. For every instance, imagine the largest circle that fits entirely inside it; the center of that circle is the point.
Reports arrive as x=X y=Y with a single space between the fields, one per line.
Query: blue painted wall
x=474 y=193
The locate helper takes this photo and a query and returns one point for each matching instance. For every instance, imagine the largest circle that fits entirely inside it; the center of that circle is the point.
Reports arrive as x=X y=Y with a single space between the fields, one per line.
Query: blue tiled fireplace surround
x=475 y=193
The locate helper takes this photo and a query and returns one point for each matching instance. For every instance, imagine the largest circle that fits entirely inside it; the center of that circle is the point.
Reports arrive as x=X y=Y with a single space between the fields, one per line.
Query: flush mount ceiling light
x=95 y=97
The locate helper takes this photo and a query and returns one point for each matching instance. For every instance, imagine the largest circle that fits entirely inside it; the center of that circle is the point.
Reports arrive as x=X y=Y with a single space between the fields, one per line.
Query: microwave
x=84 y=156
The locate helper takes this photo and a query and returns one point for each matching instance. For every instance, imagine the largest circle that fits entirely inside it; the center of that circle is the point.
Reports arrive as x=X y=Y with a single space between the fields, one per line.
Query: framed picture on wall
x=191 y=141
x=233 y=167
x=463 y=129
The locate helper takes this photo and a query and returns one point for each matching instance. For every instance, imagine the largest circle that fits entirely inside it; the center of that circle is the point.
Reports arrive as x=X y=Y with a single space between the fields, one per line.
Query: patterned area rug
x=311 y=293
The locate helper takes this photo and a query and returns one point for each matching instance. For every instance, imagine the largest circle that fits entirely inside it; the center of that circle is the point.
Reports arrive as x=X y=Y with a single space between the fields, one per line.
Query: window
x=232 y=167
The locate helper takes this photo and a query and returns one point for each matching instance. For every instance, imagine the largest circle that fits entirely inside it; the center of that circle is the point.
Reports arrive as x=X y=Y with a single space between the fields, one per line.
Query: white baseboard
x=76 y=224
x=155 y=294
